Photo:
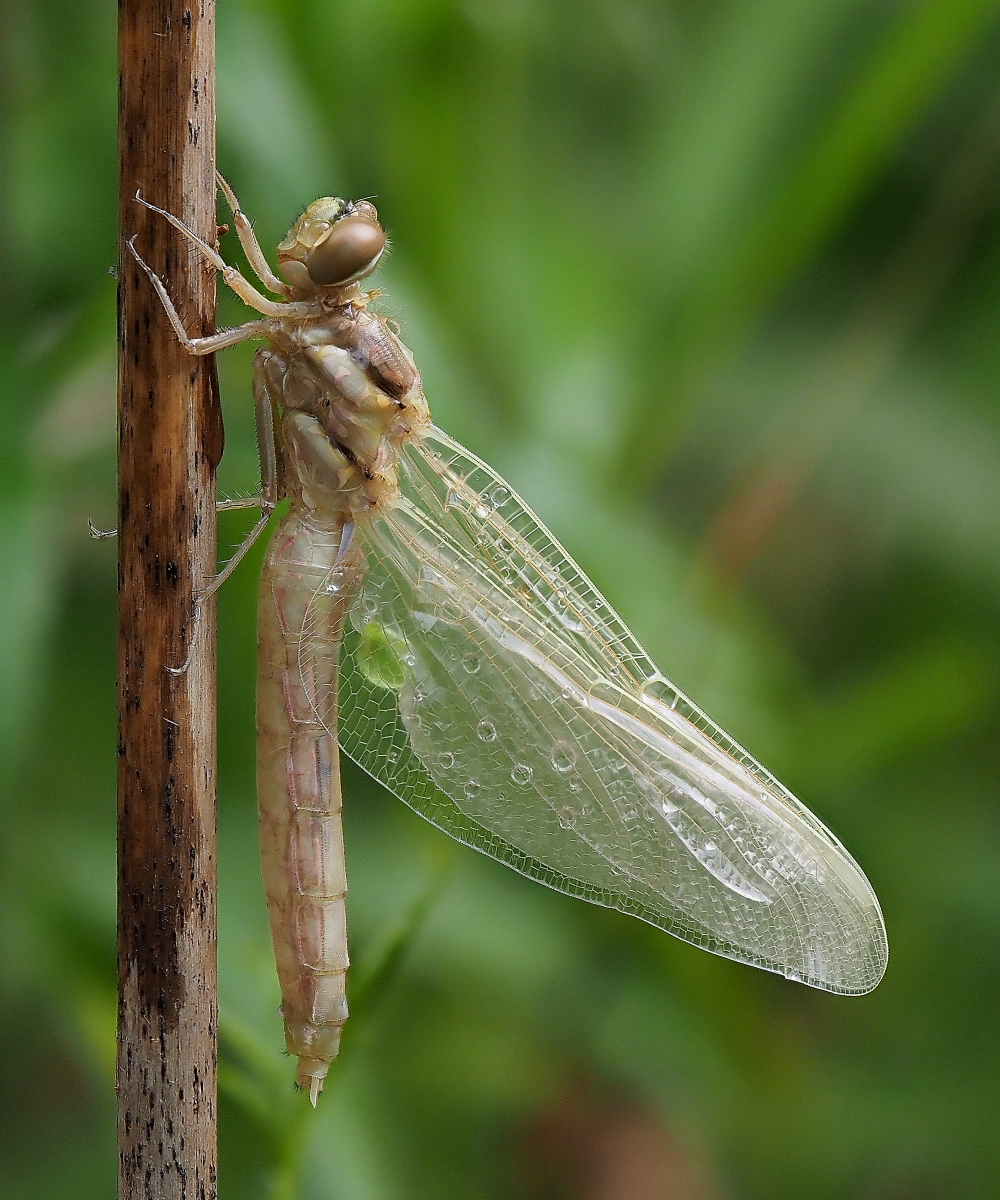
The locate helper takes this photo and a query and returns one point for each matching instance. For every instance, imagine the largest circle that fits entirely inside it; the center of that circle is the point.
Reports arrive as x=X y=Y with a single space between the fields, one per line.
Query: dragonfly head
x=335 y=242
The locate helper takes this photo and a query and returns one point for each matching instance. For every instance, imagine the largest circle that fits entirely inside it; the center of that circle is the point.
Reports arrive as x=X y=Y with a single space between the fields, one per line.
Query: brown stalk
x=170 y=441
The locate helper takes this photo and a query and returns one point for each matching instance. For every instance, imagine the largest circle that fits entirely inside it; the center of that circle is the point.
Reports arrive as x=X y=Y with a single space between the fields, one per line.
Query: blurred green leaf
x=739 y=276
x=909 y=707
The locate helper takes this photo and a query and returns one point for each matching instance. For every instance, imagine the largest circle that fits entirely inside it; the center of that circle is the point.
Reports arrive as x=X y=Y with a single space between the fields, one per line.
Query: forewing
x=522 y=717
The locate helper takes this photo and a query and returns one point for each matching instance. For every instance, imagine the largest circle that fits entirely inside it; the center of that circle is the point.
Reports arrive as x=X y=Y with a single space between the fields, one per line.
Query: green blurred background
x=718 y=286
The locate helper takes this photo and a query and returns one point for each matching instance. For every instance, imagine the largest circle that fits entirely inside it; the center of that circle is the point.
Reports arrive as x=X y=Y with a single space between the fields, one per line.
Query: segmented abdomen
x=299 y=794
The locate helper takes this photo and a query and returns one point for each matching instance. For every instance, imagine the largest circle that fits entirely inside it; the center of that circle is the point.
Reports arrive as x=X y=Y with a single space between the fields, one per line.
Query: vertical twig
x=170 y=441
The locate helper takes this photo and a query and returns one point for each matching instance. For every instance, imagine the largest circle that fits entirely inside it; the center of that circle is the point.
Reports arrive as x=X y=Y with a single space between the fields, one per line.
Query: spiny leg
x=266 y=448
x=268 y=500
x=248 y=240
x=198 y=345
x=242 y=287
x=243 y=502
x=267 y=508
x=208 y=345
x=265 y=420
x=269 y=485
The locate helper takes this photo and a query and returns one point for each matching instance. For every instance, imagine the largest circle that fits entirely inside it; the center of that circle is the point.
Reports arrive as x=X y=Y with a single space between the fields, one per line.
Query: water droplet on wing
x=563 y=756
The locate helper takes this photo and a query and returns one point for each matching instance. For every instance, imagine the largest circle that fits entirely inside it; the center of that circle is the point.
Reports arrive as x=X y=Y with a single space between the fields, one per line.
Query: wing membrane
x=530 y=724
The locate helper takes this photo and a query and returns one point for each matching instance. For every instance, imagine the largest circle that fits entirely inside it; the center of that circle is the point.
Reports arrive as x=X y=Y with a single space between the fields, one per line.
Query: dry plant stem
x=170 y=441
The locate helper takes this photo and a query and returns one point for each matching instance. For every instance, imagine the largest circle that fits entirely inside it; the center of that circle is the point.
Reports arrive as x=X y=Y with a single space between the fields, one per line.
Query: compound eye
x=350 y=250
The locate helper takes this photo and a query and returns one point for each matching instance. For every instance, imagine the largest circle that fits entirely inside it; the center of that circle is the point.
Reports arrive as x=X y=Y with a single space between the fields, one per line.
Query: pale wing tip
x=853 y=961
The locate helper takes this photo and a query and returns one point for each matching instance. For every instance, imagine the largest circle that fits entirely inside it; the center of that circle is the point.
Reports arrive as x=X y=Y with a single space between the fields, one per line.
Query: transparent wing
x=486 y=682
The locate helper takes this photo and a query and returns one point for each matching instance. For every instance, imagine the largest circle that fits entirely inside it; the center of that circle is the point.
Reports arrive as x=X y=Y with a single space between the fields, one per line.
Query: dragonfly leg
x=269 y=484
x=220 y=506
x=248 y=240
x=267 y=501
x=198 y=345
x=264 y=412
x=266 y=509
x=265 y=515
x=234 y=505
x=242 y=287
x=99 y=534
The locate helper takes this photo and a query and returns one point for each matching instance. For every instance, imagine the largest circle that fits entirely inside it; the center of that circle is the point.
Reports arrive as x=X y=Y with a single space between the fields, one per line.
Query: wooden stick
x=170 y=442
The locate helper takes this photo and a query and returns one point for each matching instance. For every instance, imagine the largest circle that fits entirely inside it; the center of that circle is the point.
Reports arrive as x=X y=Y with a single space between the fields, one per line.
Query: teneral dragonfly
x=414 y=610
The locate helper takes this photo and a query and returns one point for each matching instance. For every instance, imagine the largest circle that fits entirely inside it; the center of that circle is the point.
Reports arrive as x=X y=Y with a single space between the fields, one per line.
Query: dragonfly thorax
x=355 y=379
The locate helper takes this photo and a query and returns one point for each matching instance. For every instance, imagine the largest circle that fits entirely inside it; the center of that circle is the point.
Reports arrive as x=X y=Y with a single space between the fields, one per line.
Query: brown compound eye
x=350 y=250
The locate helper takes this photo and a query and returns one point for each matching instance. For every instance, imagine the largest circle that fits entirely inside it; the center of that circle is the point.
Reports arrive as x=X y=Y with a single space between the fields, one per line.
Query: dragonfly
x=415 y=613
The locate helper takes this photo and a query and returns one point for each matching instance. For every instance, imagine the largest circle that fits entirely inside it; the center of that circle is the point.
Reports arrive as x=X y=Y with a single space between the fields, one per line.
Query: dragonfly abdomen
x=305 y=596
